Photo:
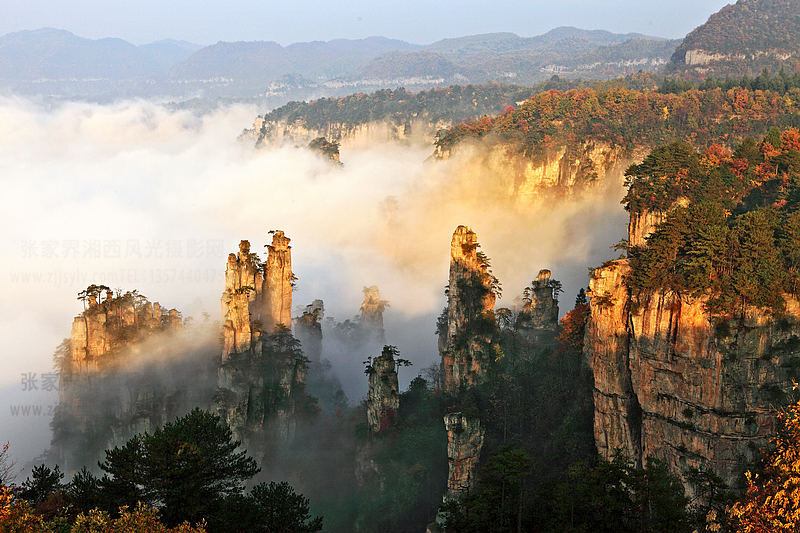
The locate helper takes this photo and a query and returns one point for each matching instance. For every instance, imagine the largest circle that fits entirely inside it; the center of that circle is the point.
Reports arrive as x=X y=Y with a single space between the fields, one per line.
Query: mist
x=134 y=196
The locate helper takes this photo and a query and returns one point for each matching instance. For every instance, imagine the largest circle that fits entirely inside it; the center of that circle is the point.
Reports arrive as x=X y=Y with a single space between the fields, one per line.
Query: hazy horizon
x=417 y=22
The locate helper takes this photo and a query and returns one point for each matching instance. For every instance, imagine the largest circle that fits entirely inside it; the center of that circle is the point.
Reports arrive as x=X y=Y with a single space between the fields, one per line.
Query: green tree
x=278 y=509
x=84 y=490
x=185 y=468
x=42 y=483
x=497 y=505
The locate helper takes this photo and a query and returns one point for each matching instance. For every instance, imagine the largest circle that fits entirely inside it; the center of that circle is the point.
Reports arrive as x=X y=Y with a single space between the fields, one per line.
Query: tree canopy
x=184 y=468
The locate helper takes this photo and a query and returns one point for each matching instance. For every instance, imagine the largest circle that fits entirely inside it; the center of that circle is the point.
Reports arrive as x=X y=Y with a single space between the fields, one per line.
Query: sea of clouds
x=135 y=196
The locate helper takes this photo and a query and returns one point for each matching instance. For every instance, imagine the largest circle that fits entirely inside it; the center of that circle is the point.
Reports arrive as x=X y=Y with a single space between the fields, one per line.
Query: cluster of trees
x=732 y=222
x=186 y=472
x=450 y=104
x=630 y=118
x=328 y=149
x=780 y=83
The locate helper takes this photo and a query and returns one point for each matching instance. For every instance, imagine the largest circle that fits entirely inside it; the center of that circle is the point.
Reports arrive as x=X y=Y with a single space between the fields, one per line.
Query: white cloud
x=134 y=196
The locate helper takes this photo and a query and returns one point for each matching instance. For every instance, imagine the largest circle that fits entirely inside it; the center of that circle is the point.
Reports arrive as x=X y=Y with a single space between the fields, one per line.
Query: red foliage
x=573 y=326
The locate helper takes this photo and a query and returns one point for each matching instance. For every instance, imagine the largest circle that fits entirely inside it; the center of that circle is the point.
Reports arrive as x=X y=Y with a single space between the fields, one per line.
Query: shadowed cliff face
x=674 y=384
x=128 y=367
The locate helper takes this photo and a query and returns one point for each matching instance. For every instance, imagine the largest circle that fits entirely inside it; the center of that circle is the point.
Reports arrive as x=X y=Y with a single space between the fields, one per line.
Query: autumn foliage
x=732 y=225
x=631 y=118
x=772 y=501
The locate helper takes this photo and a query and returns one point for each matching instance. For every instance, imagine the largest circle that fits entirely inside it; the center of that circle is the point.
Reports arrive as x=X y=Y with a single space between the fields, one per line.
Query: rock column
x=465 y=343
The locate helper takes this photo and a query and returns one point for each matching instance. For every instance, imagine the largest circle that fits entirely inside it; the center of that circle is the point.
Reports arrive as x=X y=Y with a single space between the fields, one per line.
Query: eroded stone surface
x=262 y=376
x=464 y=445
x=673 y=384
x=278 y=283
x=465 y=339
x=539 y=317
x=383 y=397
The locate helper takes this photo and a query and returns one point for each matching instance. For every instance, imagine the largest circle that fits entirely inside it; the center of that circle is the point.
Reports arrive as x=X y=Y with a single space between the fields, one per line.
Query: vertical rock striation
x=242 y=301
x=383 y=397
x=464 y=444
x=278 y=283
x=674 y=384
x=467 y=326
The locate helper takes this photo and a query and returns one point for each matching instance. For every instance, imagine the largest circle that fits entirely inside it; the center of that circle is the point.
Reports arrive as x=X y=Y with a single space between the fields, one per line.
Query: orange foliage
x=790 y=139
x=772 y=504
x=573 y=325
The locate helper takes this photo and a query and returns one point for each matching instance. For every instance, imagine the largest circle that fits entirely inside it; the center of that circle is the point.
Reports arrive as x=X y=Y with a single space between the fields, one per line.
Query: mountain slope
x=743 y=38
x=53 y=54
x=264 y=61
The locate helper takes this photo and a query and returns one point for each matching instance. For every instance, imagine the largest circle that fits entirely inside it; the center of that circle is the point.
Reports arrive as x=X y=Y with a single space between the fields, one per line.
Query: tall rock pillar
x=467 y=328
x=308 y=330
x=241 y=301
x=372 y=313
x=383 y=398
x=278 y=283
x=539 y=317
x=464 y=444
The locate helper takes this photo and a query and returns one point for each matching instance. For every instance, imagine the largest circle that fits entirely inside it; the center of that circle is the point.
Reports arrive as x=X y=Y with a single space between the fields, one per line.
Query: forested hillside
x=738 y=237
x=630 y=118
x=743 y=38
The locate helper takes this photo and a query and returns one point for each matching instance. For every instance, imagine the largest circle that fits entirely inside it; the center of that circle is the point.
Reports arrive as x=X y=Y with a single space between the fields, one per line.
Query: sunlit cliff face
x=133 y=196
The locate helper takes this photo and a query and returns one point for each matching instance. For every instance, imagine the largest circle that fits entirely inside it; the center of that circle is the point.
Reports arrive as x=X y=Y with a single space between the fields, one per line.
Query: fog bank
x=133 y=196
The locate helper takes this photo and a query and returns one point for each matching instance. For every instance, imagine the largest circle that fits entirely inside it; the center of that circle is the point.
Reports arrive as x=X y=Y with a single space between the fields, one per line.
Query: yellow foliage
x=772 y=504
x=18 y=516
x=141 y=520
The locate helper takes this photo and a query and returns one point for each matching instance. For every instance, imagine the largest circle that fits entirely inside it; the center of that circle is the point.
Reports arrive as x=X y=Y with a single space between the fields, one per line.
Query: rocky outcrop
x=242 y=301
x=308 y=329
x=464 y=445
x=111 y=371
x=278 y=283
x=644 y=222
x=529 y=181
x=538 y=320
x=701 y=57
x=261 y=381
x=467 y=327
x=674 y=384
x=258 y=296
x=383 y=397
x=108 y=328
x=372 y=313
x=419 y=130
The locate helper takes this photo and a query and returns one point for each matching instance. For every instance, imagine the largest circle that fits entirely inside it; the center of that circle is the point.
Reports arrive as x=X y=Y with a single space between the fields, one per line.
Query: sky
x=416 y=21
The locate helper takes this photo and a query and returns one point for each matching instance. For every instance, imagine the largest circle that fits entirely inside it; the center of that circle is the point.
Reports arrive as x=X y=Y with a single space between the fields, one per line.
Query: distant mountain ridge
x=742 y=39
x=53 y=54
x=56 y=62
